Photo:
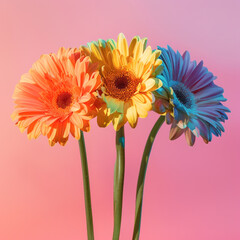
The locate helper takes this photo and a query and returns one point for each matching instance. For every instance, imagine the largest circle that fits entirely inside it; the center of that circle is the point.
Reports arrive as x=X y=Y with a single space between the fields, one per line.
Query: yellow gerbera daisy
x=128 y=77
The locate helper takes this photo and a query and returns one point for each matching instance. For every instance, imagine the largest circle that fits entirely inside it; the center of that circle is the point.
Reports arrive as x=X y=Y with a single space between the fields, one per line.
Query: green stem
x=118 y=182
x=87 y=195
x=141 y=176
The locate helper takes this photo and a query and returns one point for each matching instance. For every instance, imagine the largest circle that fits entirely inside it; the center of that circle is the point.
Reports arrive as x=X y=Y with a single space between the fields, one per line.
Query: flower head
x=56 y=97
x=128 y=77
x=189 y=98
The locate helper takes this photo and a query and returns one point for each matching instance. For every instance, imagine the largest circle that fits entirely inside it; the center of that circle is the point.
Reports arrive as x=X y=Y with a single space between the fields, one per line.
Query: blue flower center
x=183 y=94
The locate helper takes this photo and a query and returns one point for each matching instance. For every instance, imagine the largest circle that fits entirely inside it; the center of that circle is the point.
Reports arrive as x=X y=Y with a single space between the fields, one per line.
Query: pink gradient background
x=190 y=193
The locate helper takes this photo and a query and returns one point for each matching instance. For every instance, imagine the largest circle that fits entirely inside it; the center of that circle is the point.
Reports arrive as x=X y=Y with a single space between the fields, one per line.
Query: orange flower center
x=120 y=84
x=64 y=99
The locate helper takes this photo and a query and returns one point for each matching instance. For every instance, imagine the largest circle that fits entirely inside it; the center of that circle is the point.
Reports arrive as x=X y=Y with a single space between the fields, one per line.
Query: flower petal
x=131 y=114
x=151 y=84
x=175 y=132
x=190 y=137
x=122 y=44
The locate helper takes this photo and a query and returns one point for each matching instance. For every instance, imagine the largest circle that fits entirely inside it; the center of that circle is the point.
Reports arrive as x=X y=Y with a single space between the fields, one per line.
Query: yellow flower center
x=64 y=99
x=120 y=84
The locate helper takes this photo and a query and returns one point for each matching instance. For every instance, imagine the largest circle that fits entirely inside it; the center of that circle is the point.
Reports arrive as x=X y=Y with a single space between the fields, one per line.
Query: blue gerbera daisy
x=189 y=98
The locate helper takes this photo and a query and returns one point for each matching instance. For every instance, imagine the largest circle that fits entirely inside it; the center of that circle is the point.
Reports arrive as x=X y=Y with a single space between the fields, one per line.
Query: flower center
x=183 y=94
x=120 y=84
x=64 y=100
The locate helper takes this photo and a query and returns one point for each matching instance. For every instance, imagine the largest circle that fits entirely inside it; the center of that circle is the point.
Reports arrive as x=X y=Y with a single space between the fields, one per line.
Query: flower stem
x=141 y=176
x=87 y=195
x=118 y=181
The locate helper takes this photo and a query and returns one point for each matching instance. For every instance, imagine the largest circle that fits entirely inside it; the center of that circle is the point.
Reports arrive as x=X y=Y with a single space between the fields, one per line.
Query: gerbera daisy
x=128 y=77
x=189 y=98
x=56 y=97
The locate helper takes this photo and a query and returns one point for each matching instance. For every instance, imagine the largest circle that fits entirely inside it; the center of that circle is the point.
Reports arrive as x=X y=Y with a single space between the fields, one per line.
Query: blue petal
x=206 y=113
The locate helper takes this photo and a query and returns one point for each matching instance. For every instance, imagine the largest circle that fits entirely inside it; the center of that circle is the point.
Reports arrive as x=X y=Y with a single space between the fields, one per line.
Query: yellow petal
x=132 y=64
x=140 y=98
x=148 y=85
x=143 y=103
x=116 y=58
x=123 y=60
x=146 y=74
x=138 y=50
x=131 y=114
x=111 y=44
x=104 y=49
x=103 y=117
x=96 y=52
x=133 y=46
x=151 y=84
x=139 y=69
x=86 y=50
x=146 y=55
x=122 y=44
x=118 y=121
x=144 y=42
x=142 y=110
x=149 y=62
x=157 y=70
x=157 y=53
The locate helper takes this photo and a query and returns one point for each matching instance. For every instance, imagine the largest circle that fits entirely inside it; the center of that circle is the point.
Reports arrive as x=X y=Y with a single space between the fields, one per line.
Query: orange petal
x=76 y=120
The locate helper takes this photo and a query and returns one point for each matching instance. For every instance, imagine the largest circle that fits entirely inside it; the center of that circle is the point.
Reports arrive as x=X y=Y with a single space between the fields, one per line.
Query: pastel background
x=190 y=193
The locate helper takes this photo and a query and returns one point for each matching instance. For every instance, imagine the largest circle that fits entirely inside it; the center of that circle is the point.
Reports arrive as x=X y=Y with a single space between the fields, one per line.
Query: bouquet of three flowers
x=118 y=83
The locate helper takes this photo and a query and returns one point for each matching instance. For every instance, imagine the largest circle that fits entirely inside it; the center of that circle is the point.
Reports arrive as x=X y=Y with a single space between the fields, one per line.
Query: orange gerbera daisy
x=57 y=96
